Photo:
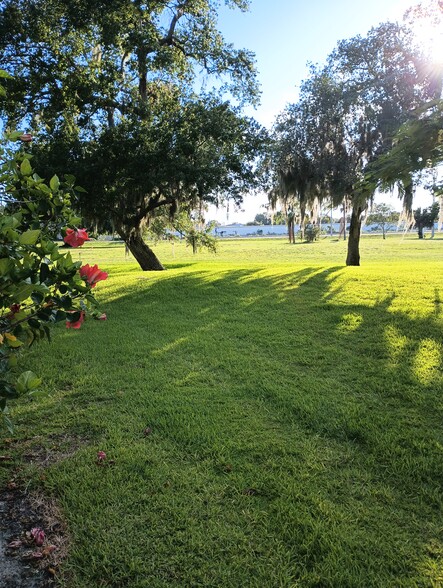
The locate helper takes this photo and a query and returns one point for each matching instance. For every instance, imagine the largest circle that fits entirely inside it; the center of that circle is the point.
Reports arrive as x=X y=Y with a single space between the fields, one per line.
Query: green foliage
x=311 y=233
x=381 y=216
x=90 y=63
x=39 y=285
x=345 y=119
x=417 y=146
x=426 y=218
x=115 y=86
x=262 y=219
x=279 y=218
x=189 y=226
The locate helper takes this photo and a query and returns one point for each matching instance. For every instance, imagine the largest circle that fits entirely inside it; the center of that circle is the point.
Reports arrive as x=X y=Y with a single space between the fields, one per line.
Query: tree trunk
x=144 y=255
x=440 y=215
x=353 y=257
x=291 y=230
x=302 y=220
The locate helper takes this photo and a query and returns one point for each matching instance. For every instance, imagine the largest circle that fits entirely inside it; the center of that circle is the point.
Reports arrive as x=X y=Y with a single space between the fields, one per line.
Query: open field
x=296 y=408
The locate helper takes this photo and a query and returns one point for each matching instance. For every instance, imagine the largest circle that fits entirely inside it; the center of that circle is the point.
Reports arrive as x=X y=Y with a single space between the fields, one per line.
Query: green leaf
x=59 y=315
x=12 y=361
x=44 y=272
x=12 y=235
x=44 y=314
x=7 y=391
x=34 y=323
x=44 y=188
x=24 y=291
x=80 y=189
x=16 y=220
x=55 y=255
x=47 y=332
x=6 y=266
x=26 y=168
x=8 y=424
x=27 y=381
x=15 y=135
x=13 y=342
x=29 y=237
x=54 y=183
x=18 y=316
x=73 y=317
x=37 y=297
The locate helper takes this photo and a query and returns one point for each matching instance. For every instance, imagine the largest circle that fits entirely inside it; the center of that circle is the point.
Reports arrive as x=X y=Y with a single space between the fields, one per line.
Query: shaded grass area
x=296 y=413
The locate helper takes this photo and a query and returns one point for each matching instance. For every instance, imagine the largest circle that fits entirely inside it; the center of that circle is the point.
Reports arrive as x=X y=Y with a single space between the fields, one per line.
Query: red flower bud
x=92 y=275
x=75 y=324
x=26 y=138
x=38 y=535
x=76 y=238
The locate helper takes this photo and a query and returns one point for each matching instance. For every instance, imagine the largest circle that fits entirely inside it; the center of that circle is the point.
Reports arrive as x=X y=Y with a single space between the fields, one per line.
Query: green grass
x=296 y=410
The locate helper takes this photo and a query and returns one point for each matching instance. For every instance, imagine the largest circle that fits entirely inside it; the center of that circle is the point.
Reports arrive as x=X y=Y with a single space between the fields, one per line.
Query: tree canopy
x=113 y=90
x=346 y=117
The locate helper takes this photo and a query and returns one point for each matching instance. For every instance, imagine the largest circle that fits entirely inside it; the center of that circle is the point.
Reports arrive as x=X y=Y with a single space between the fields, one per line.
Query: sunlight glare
x=429 y=35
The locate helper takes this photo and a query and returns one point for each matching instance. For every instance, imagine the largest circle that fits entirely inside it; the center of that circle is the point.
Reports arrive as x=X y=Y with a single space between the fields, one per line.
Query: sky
x=285 y=35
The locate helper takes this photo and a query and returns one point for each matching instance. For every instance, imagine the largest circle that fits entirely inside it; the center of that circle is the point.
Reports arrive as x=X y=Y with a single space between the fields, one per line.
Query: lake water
x=281 y=230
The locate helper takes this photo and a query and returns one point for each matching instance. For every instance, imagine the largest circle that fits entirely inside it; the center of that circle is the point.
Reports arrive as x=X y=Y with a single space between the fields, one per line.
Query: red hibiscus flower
x=92 y=274
x=76 y=238
x=76 y=324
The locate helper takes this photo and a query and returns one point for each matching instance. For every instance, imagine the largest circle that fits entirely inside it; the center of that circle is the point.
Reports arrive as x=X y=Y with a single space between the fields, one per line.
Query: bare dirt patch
x=25 y=562
x=19 y=564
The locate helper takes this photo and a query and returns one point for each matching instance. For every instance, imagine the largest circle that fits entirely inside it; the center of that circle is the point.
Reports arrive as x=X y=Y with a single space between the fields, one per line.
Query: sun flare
x=430 y=38
x=427 y=28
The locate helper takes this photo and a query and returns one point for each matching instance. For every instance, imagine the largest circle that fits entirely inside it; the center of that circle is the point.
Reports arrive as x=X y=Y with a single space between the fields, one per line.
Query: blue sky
x=287 y=34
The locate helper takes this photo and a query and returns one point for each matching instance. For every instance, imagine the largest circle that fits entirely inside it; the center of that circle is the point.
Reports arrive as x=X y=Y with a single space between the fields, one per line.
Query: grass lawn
x=296 y=408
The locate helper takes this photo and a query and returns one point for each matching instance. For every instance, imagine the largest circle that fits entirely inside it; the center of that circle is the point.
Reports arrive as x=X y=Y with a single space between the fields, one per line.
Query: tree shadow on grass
x=243 y=366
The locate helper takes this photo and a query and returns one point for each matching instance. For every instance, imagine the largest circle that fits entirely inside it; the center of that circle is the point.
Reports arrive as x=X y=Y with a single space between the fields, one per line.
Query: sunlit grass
x=296 y=410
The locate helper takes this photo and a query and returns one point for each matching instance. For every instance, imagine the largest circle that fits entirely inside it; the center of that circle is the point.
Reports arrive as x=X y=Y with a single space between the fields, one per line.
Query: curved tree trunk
x=144 y=255
x=353 y=257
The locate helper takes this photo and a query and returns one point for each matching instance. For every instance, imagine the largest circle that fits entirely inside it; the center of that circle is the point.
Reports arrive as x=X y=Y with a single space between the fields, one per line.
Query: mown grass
x=296 y=413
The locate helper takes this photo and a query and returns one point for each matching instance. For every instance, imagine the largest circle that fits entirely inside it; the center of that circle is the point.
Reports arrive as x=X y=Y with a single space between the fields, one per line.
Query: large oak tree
x=349 y=111
x=112 y=87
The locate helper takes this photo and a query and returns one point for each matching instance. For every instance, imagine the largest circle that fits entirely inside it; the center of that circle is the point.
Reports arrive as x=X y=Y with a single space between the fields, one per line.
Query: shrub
x=312 y=232
x=39 y=285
